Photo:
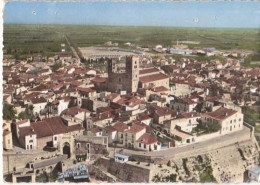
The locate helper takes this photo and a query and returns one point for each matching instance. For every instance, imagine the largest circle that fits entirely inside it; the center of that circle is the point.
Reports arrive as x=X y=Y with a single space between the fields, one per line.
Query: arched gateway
x=66 y=146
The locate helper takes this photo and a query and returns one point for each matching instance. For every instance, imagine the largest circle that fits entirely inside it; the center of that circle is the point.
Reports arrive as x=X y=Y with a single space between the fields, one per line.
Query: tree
x=209 y=126
x=49 y=108
x=24 y=115
x=56 y=66
x=213 y=127
x=8 y=112
x=169 y=163
x=250 y=116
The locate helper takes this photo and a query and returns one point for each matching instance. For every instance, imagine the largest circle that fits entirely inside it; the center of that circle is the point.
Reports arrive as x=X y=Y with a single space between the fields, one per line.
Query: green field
x=46 y=39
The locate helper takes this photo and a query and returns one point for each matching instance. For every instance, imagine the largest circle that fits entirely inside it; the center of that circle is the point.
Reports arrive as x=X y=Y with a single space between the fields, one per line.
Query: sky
x=170 y=14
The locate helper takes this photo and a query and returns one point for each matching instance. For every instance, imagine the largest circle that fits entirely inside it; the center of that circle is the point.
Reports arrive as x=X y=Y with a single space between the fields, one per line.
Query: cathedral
x=126 y=80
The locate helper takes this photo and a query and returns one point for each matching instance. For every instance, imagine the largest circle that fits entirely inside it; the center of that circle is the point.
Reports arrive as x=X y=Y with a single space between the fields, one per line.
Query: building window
x=144 y=145
x=230 y=121
x=140 y=145
x=30 y=141
x=8 y=141
x=55 y=138
x=78 y=145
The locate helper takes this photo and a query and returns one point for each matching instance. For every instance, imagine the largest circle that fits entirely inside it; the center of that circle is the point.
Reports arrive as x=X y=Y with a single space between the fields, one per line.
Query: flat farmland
x=46 y=39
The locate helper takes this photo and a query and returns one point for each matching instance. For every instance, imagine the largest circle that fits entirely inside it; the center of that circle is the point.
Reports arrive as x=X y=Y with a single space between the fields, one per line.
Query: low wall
x=206 y=137
x=213 y=146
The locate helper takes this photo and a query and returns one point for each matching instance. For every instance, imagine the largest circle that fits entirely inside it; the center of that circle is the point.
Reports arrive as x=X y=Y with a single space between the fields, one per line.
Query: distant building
x=180 y=51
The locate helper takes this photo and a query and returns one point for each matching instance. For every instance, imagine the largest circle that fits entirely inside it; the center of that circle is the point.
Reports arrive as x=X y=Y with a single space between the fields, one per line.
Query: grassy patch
x=252 y=61
x=257 y=128
x=251 y=116
x=207 y=175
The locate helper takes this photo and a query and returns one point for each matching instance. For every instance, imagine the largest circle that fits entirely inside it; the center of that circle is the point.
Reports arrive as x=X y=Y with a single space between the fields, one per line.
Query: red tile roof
x=99 y=80
x=88 y=90
x=221 y=113
x=49 y=127
x=119 y=126
x=149 y=70
x=38 y=100
x=74 y=110
x=147 y=139
x=110 y=128
x=188 y=114
x=135 y=128
x=160 y=89
x=152 y=78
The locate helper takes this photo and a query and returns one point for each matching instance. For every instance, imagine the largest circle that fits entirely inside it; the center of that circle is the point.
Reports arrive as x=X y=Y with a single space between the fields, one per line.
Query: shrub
x=169 y=163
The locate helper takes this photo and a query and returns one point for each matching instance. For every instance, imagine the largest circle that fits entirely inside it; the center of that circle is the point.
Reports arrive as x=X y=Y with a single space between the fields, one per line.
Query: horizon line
x=75 y=24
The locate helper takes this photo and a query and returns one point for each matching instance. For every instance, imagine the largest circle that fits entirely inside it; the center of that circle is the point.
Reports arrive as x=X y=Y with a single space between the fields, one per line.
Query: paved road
x=196 y=146
x=72 y=48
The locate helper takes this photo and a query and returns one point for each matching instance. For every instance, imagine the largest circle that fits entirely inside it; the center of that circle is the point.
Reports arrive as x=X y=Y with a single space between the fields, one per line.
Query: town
x=140 y=117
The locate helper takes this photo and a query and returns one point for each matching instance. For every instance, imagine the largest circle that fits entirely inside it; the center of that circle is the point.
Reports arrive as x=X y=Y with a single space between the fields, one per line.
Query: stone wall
x=213 y=146
x=42 y=142
x=227 y=164
x=97 y=173
x=15 y=160
x=19 y=161
x=127 y=172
